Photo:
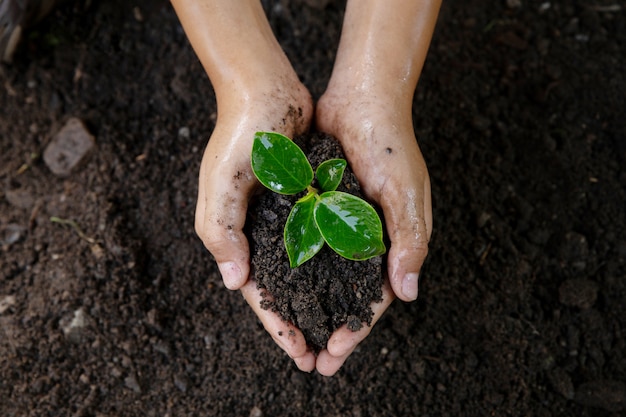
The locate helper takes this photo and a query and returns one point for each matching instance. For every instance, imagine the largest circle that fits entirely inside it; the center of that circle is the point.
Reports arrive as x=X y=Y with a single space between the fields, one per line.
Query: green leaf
x=279 y=164
x=302 y=237
x=329 y=173
x=349 y=225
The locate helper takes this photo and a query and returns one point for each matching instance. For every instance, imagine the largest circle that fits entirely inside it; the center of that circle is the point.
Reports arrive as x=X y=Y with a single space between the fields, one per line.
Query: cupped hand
x=236 y=46
x=382 y=150
x=381 y=147
x=226 y=183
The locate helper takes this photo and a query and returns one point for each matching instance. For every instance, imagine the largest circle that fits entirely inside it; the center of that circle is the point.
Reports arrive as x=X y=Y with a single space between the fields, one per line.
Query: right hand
x=226 y=184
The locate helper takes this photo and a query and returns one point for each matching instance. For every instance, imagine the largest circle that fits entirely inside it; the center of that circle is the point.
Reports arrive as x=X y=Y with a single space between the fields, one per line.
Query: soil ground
x=520 y=115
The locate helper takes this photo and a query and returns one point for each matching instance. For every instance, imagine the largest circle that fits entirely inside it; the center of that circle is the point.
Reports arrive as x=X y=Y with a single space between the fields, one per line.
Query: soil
x=325 y=292
x=520 y=116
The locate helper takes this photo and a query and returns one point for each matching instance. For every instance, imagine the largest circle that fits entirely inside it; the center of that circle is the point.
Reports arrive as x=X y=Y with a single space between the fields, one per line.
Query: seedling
x=348 y=224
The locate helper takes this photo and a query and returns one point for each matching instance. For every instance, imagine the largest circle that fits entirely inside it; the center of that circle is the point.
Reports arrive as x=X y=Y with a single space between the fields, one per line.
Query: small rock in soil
x=514 y=4
x=562 y=383
x=181 y=382
x=606 y=394
x=256 y=412
x=73 y=326
x=116 y=372
x=580 y=292
x=68 y=148
x=131 y=382
x=20 y=198
x=6 y=303
x=573 y=247
x=11 y=234
x=354 y=323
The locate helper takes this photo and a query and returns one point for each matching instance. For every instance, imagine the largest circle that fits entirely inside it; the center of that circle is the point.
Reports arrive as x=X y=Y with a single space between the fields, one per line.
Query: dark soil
x=325 y=292
x=520 y=114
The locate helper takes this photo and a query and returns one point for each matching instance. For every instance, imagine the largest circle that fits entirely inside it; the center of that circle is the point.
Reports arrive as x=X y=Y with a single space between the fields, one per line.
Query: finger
x=343 y=341
x=288 y=337
x=306 y=363
x=401 y=185
x=408 y=218
x=223 y=194
x=221 y=232
x=328 y=365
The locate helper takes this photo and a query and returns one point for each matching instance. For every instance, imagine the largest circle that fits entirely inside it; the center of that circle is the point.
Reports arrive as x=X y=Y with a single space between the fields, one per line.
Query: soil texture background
x=116 y=309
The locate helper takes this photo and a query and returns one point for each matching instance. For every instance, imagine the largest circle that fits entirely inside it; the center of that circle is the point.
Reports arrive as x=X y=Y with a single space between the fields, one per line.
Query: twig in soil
x=22 y=169
x=34 y=213
x=74 y=226
x=25 y=166
x=484 y=254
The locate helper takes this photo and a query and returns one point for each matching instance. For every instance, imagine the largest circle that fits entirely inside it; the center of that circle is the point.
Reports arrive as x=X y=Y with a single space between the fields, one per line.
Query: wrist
x=255 y=82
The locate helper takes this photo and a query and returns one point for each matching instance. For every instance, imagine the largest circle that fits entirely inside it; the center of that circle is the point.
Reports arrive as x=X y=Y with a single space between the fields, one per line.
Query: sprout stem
x=311 y=193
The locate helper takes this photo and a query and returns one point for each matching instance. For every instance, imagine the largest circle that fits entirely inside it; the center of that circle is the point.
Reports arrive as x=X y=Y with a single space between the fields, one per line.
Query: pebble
x=256 y=412
x=127 y=362
x=6 y=303
x=269 y=215
x=607 y=394
x=573 y=248
x=578 y=292
x=131 y=382
x=116 y=372
x=562 y=383
x=161 y=347
x=20 y=198
x=74 y=325
x=514 y=4
x=184 y=133
x=11 y=234
x=181 y=382
x=68 y=148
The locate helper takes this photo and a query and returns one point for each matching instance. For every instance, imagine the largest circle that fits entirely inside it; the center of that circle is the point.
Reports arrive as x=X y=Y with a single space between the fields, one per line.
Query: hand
x=367 y=106
x=381 y=147
x=226 y=184
x=256 y=89
x=399 y=183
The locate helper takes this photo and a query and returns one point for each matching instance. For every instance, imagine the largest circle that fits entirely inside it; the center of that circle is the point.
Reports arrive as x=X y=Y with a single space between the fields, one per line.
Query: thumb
x=408 y=217
x=220 y=218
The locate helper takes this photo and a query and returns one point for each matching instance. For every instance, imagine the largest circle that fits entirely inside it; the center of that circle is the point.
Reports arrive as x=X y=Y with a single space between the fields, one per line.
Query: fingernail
x=409 y=285
x=231 y=274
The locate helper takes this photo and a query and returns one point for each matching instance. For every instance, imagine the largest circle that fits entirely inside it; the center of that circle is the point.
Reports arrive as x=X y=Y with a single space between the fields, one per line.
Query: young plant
x=348 y=224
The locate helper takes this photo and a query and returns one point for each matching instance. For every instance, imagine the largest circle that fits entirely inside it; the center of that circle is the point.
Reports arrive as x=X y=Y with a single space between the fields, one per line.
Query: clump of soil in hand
x=325 y=292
